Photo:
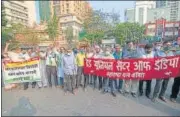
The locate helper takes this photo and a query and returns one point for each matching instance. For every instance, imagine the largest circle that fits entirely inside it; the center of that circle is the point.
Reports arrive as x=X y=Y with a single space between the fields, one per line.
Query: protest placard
x=18 y=72
x=143 y=69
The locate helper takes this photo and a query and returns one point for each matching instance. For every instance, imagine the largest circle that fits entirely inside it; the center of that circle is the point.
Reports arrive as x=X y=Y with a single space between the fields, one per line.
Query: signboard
x=18 y=72
x=142 y=69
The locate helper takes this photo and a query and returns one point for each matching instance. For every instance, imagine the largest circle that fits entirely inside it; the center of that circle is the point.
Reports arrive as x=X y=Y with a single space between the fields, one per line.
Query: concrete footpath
x=47 y=101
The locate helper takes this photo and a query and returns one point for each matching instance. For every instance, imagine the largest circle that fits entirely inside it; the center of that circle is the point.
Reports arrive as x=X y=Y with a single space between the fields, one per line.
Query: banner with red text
x=143 y=69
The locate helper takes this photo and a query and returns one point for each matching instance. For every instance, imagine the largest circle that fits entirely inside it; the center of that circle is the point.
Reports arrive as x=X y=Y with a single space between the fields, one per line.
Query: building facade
x=129 y=15
x=71 y=13
x=174 y=8
x=73 y=21
x=80 y=9
x=16 y=11
x=163 y=29
x=20 y=12
x=158 y=13
x=42 y=35
x=141 y=10
x=44 y=10
x=145 y=12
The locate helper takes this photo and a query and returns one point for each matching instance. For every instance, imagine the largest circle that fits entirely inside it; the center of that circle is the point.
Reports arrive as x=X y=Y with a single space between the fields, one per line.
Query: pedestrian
x=60 y=72
x=176 y=84
x=118 y=55
x=69 y=66
x=162 y=83
x=148 y=54
x=42 y=66
x=97 y=54
x=80 y=64
x=130 y=86
x=33 y=54
x=108 y=55
x=51 y=66
x=89 y=54
x=14 y=55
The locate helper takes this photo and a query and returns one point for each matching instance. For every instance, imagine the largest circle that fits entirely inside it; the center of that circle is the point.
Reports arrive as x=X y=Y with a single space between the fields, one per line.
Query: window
x=67 y=5
x=67 y=10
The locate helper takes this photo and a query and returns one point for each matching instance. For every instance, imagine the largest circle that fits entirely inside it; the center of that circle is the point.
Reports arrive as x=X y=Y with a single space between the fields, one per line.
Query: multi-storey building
x=71 y=13
x=174 y=8
x=158 y=13
x=141 y=10
x=129 y=15
x=145 y=11
x=80 y=9
x=163 y=29
x=20 y=12
x=44 y=10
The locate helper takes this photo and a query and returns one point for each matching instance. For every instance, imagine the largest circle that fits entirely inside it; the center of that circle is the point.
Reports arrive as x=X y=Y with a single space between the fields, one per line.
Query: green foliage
x=100 y=24
x=52 y=28
x=129 y=31
x=8 y=33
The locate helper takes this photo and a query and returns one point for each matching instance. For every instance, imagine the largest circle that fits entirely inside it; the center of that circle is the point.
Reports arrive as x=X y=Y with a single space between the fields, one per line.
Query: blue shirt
x=131 y=54
x=69 y=65
x=161 y=53
x=117 y=55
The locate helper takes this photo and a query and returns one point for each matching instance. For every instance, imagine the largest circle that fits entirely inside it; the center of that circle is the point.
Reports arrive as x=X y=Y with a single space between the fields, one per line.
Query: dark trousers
x=69 y=83
x=86 y=80
x=175 y=87
x=51 y=70
x=148 y=86
x=100 y=81
x=160 y=83
x=26 y=84
x=118 y=84
x=80 y=74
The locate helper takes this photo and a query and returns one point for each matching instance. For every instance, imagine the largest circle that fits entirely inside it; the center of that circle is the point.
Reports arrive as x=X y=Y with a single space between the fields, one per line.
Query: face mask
x=107 y=53
x=69 y=53
x=166 y=48
x=148 y=52
x=81 y=51
x=158 y=47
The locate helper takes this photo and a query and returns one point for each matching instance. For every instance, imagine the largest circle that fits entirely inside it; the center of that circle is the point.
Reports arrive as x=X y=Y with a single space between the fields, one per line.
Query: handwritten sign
x=18 y=72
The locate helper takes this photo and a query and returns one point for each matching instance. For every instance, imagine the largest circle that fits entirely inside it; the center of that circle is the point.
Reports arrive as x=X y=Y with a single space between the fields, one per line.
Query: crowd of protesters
x=65 y=67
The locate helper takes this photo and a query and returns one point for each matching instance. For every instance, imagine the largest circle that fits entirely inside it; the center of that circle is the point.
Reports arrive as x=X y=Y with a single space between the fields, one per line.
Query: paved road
x=54 y=102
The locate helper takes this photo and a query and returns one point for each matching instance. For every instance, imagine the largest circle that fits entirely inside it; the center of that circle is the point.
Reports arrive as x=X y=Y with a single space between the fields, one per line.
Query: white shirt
x=151 y=55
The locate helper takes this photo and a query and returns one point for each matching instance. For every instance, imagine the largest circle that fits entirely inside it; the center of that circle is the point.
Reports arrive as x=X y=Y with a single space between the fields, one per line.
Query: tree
x=99 y=23
x=52 y=28
x=69 y=34
x=8 y=33
x=128 y=31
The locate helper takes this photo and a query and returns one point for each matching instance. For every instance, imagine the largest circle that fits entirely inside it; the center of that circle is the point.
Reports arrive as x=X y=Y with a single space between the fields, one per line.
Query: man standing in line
x=148 y=54
x=130 y=85
x=80 y=64
x=69 y=66
x=108 y=55
x=163 y=83
x=176 y=84
x=118 y=55
x=42 y=65
x=51 y=66
x=60 y=72
x=96 y=55
x=89 y=54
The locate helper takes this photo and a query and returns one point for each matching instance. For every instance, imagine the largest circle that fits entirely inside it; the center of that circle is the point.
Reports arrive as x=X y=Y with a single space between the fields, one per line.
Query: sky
x=106 y=6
